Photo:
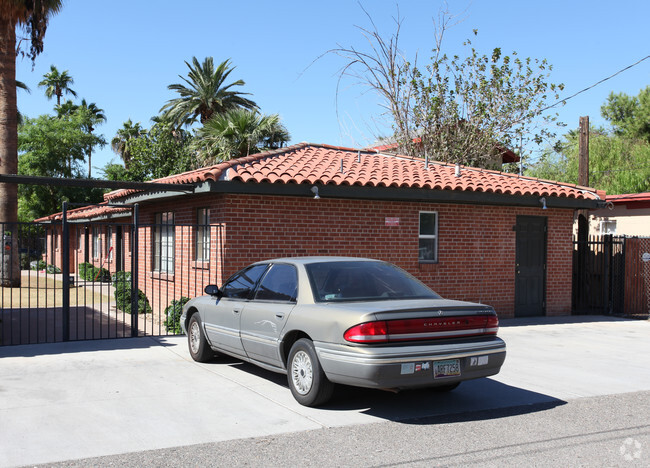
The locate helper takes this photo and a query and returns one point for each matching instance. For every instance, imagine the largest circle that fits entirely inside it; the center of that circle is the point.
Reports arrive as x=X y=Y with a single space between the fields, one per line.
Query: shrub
x=39 y=265
x=122 y=283
x=102 y=274
x=173 y=314
x=90 y=272
x=87 y=271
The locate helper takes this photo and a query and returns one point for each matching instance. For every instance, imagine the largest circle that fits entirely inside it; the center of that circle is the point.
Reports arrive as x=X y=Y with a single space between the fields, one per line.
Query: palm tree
x=56 y=83
x=122 y=141
x=93 y=115
x=206 y=94
x=32 y=15
x=21 y=85
x=238 y=133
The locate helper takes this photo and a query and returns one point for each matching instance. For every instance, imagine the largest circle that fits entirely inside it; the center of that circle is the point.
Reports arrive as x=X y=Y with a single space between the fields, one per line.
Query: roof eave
x=395 y=194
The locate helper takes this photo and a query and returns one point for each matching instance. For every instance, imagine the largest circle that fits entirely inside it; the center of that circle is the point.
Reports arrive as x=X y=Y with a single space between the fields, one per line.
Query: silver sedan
x=336 y=320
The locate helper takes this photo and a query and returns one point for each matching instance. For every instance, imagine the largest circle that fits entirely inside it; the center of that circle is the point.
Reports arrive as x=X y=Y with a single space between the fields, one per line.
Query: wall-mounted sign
x=646 y=257
x=392 y=221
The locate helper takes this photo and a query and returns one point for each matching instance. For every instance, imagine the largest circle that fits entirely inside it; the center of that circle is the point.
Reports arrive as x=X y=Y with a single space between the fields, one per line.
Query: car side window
x=279 y=284
x=241 y=284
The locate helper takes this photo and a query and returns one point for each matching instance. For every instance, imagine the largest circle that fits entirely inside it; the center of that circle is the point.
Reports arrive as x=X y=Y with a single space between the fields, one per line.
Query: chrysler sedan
x=332 y=320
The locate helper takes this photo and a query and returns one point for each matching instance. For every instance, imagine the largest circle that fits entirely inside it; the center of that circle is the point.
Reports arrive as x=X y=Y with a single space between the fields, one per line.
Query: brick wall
x=476 y=244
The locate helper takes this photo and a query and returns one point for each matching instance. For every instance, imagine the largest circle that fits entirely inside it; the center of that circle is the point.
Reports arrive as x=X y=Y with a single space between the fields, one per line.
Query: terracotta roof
x=307 y=163
x=629 y=197
x=87 y=212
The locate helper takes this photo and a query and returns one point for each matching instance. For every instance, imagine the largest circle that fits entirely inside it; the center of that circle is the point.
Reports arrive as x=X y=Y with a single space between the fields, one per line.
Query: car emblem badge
x=439 y=312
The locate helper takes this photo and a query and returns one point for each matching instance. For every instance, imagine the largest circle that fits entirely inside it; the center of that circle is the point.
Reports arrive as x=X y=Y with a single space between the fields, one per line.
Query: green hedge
x=122 y=283
x=39 y=265
x=173 y=314
x=90 y=272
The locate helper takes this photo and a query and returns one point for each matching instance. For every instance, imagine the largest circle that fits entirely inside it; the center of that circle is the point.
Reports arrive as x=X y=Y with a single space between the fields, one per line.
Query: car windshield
x=363 y=281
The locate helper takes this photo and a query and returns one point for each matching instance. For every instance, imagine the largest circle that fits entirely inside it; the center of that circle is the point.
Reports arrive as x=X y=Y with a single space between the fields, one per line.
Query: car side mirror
x=213 y=290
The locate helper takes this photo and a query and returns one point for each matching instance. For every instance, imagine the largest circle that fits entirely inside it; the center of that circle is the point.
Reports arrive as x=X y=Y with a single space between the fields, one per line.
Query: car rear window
x=363 y=281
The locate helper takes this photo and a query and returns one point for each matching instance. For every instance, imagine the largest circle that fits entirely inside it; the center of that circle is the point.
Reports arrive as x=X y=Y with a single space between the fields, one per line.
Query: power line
x=595 y=84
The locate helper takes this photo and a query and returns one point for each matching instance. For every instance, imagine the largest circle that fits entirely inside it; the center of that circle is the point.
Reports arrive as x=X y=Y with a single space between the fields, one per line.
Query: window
x=163 y=242
x=97 y=242
x=279 y=284
x=202 y=237
x=242 y=283
x=428 y=242
x=109 y=243
x=607 y=227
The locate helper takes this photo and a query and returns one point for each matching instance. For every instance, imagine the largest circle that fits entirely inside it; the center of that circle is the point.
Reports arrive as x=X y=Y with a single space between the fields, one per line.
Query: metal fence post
x=65 y=271
x=134 y=273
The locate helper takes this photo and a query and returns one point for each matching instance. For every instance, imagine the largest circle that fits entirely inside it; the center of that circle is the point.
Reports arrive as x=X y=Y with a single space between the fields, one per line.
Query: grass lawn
x=47 y=291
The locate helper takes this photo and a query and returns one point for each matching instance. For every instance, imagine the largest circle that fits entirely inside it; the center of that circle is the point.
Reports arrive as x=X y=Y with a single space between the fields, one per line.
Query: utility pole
x=583 y=157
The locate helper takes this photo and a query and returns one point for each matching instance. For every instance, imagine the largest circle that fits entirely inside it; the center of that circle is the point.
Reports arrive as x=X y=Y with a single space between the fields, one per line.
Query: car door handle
x=280 y=316
x=236 y=311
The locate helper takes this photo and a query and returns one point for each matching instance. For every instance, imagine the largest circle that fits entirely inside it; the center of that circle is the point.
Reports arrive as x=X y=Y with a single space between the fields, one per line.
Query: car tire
x=307 y=381
x=199 y=348
x=446 y=388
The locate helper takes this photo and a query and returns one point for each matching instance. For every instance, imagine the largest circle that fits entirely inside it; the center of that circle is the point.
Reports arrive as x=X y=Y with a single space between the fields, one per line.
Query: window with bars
x=202 y=235
x=163 y=242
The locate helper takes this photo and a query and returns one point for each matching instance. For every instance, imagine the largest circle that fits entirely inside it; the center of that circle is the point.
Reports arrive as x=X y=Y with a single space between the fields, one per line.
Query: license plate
x=448 y=368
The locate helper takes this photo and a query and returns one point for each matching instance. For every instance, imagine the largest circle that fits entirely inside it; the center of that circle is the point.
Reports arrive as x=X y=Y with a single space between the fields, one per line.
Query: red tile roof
x=307 y=163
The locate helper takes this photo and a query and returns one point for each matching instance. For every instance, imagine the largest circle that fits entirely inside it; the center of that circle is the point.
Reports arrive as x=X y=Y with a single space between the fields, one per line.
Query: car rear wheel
x=305 y=376
x=199 y=348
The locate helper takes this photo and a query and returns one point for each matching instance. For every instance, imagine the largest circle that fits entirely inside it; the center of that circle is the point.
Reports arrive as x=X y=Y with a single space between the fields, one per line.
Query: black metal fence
x=84 y=281
x=608 y=276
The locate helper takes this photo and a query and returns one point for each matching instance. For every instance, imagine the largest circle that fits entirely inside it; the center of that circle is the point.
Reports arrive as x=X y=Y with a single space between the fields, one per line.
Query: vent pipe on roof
x=457 y=172
x=426 y=161
x=359 y=157
x=342 y=171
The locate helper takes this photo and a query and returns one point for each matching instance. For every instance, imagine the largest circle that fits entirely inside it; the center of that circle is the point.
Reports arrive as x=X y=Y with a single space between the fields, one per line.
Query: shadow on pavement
x=473 y=400
x=68 y=347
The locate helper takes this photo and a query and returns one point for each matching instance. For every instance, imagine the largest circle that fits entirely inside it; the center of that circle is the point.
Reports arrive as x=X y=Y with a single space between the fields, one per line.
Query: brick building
x=470 y=234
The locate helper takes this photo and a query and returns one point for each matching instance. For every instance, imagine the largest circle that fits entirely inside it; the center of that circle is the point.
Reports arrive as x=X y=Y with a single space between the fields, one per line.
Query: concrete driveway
x=75 y=400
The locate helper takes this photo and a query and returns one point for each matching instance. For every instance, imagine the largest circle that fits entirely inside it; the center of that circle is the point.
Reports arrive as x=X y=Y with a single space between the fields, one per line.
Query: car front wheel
x=199 y=348
x=305 y=376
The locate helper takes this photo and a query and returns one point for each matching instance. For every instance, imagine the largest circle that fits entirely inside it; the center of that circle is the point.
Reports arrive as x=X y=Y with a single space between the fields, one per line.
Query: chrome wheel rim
x=302 y=372
x=195 y=337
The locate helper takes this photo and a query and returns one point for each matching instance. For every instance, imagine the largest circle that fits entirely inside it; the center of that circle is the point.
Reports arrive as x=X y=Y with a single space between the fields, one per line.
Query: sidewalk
x=72 y=400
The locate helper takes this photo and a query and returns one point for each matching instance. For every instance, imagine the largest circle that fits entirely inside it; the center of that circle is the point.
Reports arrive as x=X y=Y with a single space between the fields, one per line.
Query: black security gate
x=99 y=280
x=607 y=278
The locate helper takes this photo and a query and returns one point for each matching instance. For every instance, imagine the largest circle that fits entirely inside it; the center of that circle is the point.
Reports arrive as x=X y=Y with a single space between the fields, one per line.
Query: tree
x=56 y=83
x=454 y=109
x=54 y=147
x=237 y=133
x=31 y=16
x=23 y=86
x=629 y=115
x=159 y=152
x=617 y=164
x=206 y=94
x=124 y=139
x=92 y=115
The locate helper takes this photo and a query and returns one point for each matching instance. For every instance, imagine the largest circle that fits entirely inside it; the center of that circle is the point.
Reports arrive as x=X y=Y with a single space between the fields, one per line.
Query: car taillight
x=369 y=332
x=423 y=329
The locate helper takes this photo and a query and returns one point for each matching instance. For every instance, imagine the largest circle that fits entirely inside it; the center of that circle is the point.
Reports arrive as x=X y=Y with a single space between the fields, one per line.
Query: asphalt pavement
x=571 y=383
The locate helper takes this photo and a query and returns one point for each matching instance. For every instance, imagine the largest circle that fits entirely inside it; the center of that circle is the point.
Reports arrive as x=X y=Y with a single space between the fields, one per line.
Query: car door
x=222 y=321
x=265 y=316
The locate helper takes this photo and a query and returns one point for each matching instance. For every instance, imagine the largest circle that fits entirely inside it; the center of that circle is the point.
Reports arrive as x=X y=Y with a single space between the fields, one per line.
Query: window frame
x=202 y=235
x=433 y=236
x=164 y=227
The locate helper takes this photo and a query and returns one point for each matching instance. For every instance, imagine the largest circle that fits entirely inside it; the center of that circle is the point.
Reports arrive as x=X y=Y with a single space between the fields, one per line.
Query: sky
x=122 y=55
